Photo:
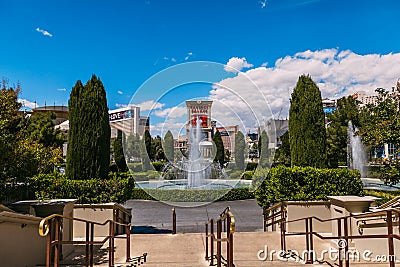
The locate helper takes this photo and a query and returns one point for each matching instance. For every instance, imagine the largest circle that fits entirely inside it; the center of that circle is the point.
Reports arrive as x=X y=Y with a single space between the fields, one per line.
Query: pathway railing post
x=207 y=240
x=128 y=243
x=390 y=238
x=339 y=227
x=56 y=242
x=212 y=242
x=87 y=244
x=173 y=221
x=219 y=230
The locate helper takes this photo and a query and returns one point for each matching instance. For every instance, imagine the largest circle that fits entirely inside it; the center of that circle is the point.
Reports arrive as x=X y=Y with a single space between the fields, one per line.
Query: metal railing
x=52 y=228
x=390 y=217
x=225 y=227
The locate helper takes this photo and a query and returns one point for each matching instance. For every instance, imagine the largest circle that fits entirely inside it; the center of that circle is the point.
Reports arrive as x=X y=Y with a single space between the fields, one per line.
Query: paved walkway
x=187 y=248
x=156 y=217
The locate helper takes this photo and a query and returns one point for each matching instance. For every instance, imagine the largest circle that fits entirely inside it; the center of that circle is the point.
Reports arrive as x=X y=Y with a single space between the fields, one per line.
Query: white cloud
x=236 y=64
x=120 y=92
x=264 y=64
x=27 y=103
x=150 y=105
x=44 y=32
x=189 y=55
x=119 y=105
x=62 y=89
x=337 y=73
x=174 y=112
x=263 y=3
x=173 y=59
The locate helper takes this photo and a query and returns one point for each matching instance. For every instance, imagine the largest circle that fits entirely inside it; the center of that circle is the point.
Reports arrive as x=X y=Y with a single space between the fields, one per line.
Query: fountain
x=196 y=165
x=356 y=156
x=196 y=172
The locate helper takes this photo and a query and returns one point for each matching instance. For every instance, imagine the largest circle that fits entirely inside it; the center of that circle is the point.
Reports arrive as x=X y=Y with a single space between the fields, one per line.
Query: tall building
x=228 y=135
x=199 y=109
x=128 y=120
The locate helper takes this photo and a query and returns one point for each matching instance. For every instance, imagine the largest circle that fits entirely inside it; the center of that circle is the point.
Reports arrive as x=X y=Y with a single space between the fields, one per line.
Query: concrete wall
x=98 y=213
x=21 y=244
x=303 y=209
x=378 y=247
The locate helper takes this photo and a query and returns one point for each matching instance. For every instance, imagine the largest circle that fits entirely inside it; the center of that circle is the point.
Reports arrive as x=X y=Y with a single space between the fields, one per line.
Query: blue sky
x=49 y=45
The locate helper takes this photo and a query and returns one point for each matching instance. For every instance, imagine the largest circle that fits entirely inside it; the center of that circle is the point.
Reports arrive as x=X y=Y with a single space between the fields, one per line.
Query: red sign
x=203 y=121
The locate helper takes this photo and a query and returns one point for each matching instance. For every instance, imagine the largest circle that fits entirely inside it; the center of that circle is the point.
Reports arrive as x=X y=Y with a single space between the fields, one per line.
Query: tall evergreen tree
x=264 y=150
x=240 y=146
x=347 y=110
x=219 y=155
x=169 y=146
x=307 y=134
x=147 y=142
x=88 y=154
x=119 y=153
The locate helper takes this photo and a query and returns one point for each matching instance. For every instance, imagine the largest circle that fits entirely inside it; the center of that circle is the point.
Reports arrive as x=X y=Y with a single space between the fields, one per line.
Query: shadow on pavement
x=147 y=229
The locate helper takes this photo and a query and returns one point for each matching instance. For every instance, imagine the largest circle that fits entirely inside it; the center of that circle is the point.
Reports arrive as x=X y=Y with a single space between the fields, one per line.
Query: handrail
x=54 y=242
x=226 y=218
x=44 y=229
x=387 y=214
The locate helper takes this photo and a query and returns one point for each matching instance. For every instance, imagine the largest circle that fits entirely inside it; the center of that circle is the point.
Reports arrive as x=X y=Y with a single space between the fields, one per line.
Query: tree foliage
x=282 y=155
x=88 y=154
x=219 y=155
x=347 y=110
x=381 y=122
x=119 y=153
x=240 y=146
x=23 y=154
x=169 y=146
x=265 y=152
x=307 y=135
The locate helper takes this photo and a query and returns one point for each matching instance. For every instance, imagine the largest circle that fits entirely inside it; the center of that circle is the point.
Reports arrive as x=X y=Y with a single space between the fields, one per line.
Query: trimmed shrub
x=192 y=195
x=117 y=188
x=135 y=167
x=247 y=175
x=251 y=166
x=307 y=183
x=158 y=165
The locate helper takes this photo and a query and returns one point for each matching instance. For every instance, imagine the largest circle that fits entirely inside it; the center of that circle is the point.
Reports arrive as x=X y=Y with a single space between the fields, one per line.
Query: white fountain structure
x=196 y=167
x=356 y=155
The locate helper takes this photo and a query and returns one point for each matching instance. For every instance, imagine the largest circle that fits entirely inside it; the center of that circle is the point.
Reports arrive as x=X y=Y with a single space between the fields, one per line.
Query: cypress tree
x=264 y=150
x=119 y=153
x=219 y=155
x=240 y=146
x=88 y=154
x=147 y=142
x=169 y=146
x=307 y=134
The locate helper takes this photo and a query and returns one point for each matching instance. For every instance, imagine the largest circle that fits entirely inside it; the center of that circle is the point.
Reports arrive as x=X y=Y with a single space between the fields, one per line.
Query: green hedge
x=384 y=195
x=158 y=165
x=117 y=188
x=192 y=195
x=307 y=183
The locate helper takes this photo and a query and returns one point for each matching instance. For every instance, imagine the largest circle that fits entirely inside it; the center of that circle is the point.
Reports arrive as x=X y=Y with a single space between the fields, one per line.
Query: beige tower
x=199 y=109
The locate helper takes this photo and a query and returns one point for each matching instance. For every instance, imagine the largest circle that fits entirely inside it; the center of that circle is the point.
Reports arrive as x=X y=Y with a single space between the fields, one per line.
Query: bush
x=247 y=175
x=158 y=165
x=145 y=176
x=135 y=167
x=235 y=175
x=251 y=166
x=384 y=195
x=307 y=183
x=117 y=188
x=192 y=195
